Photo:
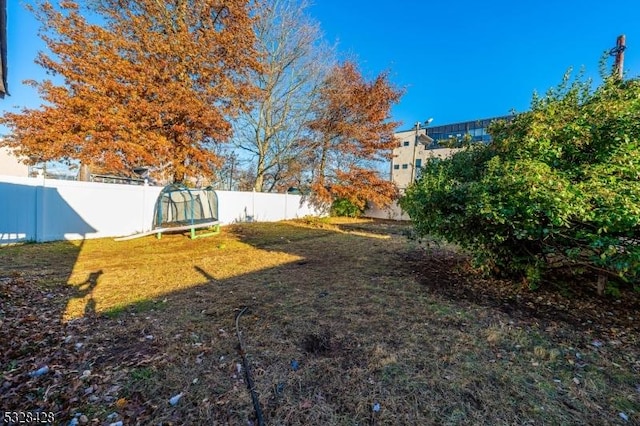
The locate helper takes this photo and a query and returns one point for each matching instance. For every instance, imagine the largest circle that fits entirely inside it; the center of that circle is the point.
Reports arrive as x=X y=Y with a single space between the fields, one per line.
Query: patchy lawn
x=348 y=322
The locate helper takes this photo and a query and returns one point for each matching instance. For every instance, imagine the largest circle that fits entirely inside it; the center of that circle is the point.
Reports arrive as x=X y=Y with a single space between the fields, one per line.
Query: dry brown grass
x=369 y=316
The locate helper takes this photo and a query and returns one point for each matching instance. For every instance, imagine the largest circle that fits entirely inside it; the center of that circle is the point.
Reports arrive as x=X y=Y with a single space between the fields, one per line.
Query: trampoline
x=179 y=208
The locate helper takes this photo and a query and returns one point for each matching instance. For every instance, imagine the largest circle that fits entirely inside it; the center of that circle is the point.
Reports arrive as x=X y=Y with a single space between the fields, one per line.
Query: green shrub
x=344 y=207
x=559 y=187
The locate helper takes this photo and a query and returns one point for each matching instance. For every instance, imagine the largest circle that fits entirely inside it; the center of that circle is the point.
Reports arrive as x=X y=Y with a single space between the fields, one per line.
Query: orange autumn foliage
x=151 y=83
x=354 y=133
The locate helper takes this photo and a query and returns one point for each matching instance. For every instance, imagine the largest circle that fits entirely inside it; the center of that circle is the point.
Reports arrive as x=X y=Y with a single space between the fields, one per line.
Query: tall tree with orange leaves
x=354 y=135
x=142 y=82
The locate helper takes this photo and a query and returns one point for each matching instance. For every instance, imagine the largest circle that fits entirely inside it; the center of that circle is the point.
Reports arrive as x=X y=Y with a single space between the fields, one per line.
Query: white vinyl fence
x=392 y=212
x=35 y=209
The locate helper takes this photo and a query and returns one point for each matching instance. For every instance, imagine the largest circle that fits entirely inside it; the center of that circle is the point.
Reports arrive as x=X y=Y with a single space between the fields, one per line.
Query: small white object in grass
x=624 y=417
x=174 y=399
x=376 y=407
x=239 y=367
x=118 y=423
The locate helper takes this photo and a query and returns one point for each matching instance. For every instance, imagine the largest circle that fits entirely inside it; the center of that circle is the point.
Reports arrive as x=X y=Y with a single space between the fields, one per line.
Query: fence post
x=40 y=212
x=144 y=206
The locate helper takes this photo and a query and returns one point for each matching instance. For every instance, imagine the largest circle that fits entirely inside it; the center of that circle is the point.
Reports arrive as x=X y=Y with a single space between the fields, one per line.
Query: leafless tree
x=295 y=63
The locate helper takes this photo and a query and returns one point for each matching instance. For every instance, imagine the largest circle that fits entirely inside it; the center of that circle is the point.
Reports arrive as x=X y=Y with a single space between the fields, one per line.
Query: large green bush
x=558 y=188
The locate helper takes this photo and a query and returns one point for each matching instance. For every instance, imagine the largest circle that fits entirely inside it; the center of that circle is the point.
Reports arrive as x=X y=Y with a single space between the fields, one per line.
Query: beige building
x=10 y=165
x=414 y=148
x=417 y=145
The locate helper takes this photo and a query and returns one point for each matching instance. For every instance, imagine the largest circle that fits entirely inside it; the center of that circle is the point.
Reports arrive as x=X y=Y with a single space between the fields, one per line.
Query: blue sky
x=464 y=60
x=456 y=59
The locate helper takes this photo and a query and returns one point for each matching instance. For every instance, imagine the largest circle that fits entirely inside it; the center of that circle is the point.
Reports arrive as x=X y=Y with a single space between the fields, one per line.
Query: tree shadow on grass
x=141 y=351
x=336 y=322
x=84 y=292
x=34 y=292
x=33 y=297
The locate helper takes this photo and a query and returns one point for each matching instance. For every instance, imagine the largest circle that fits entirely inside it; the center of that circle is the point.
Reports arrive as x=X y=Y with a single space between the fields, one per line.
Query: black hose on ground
x=247 y=373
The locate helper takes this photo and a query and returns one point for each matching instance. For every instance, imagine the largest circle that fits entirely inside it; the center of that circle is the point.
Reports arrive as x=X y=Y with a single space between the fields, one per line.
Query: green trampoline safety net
x=179 y=206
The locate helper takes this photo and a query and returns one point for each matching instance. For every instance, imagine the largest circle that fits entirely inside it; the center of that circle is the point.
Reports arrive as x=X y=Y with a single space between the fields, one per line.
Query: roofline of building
x=501 y=117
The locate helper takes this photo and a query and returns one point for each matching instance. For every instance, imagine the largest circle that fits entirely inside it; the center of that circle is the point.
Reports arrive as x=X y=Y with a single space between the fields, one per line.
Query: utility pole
x=415 y=144
x=618 y=52
x=413 y=160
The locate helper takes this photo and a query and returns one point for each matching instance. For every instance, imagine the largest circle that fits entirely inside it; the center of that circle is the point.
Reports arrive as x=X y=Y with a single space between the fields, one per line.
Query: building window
x=418 y=163
x=406 y=143
x=396 y=166
x=405 y=166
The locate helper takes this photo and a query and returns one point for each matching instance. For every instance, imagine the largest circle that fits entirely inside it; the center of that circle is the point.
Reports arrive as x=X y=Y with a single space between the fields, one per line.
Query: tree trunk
x=323 y=163
x=602 y=284
x=84 y=174
x=178 y=176
x=259 y=183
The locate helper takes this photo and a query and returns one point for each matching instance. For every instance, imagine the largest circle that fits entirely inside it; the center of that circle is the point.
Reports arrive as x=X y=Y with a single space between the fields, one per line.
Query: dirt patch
x=575 y=304
x=318 y=343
